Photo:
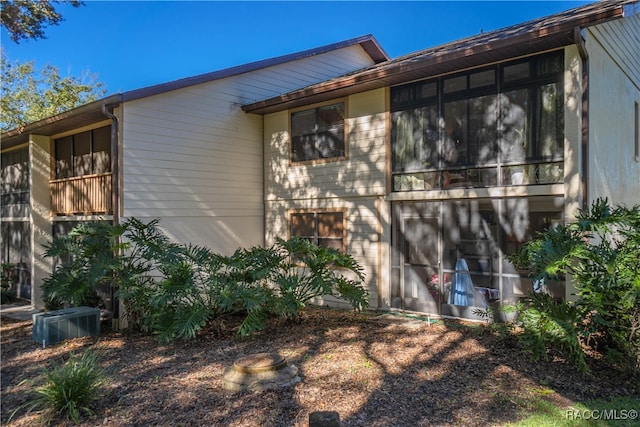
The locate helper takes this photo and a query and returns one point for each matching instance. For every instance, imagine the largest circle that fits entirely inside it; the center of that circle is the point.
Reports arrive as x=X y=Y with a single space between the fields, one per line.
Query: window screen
x=325 y=229
x=318 y=133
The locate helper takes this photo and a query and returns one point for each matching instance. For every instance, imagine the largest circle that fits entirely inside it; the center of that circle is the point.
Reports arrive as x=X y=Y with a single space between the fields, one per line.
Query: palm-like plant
x=601 y=251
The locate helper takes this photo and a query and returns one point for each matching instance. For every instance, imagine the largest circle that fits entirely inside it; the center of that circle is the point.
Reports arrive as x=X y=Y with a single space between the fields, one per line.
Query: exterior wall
x=192 y=157
x=614 y=75
x=573 y=89
x=356 y=184
x=359 y=183
x=40 y=166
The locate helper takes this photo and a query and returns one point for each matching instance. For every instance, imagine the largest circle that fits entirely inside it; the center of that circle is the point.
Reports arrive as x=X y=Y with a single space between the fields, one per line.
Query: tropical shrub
x=85 y=258
x=549 y=324
x=601 y=252
x=174 y=290
x=306 y=271
x=284 y=278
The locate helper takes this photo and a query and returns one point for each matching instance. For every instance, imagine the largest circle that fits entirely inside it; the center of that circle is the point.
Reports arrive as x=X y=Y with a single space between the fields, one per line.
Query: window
x=15 y=183
x=499 y=125
x=318 y=133
x=86 y=153
x=324 y=228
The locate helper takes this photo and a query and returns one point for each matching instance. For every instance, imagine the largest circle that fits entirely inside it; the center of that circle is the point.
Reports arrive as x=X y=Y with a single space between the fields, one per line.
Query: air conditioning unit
x=52 y=327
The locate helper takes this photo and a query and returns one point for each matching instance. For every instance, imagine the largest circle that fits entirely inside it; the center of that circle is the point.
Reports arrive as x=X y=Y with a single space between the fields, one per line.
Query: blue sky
x=131 y=45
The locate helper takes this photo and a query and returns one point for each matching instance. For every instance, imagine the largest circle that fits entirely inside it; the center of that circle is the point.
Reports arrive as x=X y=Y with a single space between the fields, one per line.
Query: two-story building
x=183 y=151
x=431 y=169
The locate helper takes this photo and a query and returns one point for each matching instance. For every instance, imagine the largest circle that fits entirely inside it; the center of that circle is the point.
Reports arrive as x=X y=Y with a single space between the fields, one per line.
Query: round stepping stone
x=260 y=371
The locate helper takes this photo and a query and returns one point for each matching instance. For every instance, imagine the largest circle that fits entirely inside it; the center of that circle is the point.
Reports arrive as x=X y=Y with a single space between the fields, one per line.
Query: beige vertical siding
x=354 y=184
x=193 y=158
x=614 y=76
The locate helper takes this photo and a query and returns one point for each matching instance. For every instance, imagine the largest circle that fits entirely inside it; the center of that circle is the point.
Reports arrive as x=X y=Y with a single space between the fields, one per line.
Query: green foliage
x=7 y=295
x=601 y=251
x=29 y=95
x=306 y=271
x=285 y=277
x=71 y=387
x=175 y=290
x=85 y=262
x=26 y=19
x=502 y=322
x=552 y=324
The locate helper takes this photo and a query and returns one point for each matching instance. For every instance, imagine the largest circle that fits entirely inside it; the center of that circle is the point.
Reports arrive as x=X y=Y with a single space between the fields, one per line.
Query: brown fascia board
x=75 y=118
x=92 y=112
x=519 y=40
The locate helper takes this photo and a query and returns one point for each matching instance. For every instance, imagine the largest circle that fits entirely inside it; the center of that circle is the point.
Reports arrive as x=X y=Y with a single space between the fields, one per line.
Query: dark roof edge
x=368 y=43
x=372 y=77
x=91 y=106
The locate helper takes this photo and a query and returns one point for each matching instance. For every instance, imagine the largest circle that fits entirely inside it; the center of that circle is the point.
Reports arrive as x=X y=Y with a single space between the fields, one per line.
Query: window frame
x=316 y=108
x=316 y=212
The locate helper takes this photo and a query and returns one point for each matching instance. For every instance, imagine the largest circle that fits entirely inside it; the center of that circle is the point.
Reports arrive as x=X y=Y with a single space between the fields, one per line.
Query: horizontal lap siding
x=194 y=159
x=355 y=184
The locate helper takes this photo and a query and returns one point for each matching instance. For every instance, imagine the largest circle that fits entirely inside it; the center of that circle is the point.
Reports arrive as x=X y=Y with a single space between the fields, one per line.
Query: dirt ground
x=373 y=370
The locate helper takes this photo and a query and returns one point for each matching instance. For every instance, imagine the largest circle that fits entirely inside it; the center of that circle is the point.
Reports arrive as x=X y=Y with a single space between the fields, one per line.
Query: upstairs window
x=492 y=126
x=318 y=133
x=86 y=153
x=324 y=228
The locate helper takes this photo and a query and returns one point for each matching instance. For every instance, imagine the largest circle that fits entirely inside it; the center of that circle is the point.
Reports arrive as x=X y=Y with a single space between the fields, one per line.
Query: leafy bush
x=85 y=259
x=552 y=324
x=600 y=250
x=71 y=387
x=306 y=271
x=174 y=290
x=160 y=282
x=285 y=277
x=7 y=295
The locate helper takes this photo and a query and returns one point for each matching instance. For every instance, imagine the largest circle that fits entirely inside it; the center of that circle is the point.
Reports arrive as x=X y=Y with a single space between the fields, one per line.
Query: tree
x=28 y=95
x=26 y=19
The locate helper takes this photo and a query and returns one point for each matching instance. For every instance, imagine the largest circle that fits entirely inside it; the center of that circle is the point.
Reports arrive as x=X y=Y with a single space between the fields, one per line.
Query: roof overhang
x=540 y=35
x=76 y=118
x=368 y=43
x=93 y=113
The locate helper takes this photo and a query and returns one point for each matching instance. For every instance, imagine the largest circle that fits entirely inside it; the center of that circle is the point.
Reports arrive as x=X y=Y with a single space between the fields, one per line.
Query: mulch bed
x=372 y=370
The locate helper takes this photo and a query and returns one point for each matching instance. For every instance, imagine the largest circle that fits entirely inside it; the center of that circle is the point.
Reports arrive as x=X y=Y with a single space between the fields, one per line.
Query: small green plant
x=71 y=387
x=501 y=322
x=7 y=295
x=306 y=271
